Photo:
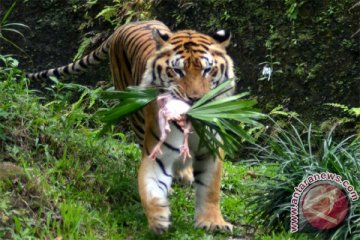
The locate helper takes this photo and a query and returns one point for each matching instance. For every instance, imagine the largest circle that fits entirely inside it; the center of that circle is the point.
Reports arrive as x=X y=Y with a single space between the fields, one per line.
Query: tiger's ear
x=160 y=37
x=222 y=37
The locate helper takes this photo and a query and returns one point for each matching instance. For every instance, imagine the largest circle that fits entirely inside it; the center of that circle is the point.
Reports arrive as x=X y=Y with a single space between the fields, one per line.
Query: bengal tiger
x=187 y=64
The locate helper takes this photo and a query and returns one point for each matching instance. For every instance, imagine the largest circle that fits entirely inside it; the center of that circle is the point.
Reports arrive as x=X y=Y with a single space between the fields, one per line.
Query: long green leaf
x=124 y=109
x=220 y=102
x=13 y=31
x=213 y=93
x=235 y=106
x=7 y=14
x=222 y=118
x=130 y=94
x=16 y=25
x=131 y=100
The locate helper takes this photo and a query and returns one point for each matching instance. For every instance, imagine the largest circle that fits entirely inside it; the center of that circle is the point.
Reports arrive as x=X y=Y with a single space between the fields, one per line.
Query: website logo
x=321 y=201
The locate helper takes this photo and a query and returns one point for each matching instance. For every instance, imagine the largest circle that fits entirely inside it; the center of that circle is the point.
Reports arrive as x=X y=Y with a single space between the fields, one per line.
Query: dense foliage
x=308 y=44
x=295 y=153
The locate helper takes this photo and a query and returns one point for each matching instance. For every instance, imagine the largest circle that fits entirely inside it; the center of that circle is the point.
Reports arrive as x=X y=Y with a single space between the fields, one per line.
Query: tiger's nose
x=193 y=99
x=194 y=95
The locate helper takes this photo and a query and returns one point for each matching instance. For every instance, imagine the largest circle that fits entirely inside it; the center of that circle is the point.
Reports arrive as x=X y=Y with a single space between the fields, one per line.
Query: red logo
x=324 y=206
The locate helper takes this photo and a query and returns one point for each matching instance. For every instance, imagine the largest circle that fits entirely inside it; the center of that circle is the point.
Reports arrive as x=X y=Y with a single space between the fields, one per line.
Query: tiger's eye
x=207 y=70
x=170 y=72
x=178 y=72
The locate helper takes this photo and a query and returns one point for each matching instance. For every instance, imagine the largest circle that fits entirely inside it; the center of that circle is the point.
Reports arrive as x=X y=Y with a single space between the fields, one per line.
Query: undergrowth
x=295 y=153
x=54 y=170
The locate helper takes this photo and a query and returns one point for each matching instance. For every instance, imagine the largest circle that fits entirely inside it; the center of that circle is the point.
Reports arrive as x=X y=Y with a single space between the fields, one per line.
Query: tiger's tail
x=79 y=66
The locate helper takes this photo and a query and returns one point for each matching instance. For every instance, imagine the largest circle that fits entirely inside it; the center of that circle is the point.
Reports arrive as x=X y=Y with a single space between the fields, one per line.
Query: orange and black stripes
x=187 y=65
x=131 y=47
x=133 y=44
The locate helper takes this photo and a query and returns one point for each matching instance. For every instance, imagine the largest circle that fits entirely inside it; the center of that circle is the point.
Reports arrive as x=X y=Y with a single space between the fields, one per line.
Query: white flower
x=267 y=71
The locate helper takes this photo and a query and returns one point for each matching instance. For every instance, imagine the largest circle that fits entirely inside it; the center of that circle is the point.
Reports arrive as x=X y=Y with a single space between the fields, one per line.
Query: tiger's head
x=188 y=63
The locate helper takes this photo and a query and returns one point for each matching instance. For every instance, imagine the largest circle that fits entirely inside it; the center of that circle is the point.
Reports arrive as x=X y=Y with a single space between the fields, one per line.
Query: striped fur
x=79 y=66
x=187 y=64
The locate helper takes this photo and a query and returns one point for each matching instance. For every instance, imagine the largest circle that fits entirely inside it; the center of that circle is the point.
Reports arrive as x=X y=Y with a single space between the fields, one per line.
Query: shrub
x=297 y=152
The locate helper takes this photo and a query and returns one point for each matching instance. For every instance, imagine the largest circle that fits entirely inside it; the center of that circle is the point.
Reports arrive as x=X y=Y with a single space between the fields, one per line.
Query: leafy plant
x=355 y=111
x=293 y=8
x=271 y=66
x=298 y=152
x=6 y=26
x=131 y=100
x=125 y=11
x=85 y=42
x=224 y=117
x=62 y=168
x=280 y=111
x=350 y=117
x=209 y=117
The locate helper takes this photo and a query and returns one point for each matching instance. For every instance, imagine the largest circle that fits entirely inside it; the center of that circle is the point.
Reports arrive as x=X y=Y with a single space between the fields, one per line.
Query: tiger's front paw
x=158 y=216
x=211 y=222
x=159 y=225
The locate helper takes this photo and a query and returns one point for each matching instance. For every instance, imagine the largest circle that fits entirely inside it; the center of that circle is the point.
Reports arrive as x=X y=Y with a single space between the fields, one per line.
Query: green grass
x=59 y=179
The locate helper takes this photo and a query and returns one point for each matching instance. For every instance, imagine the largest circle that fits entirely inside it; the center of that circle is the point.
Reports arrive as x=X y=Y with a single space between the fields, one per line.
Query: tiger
x=188 y=64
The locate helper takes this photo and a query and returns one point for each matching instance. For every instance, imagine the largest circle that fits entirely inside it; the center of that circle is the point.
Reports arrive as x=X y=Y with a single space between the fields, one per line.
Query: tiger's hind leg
x=207 y=173
x=155 y=178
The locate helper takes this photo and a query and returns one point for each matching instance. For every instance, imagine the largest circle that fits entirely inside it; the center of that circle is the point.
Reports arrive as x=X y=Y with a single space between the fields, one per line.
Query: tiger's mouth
x=180 y=95
x=184 y=98
x=177 y=92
